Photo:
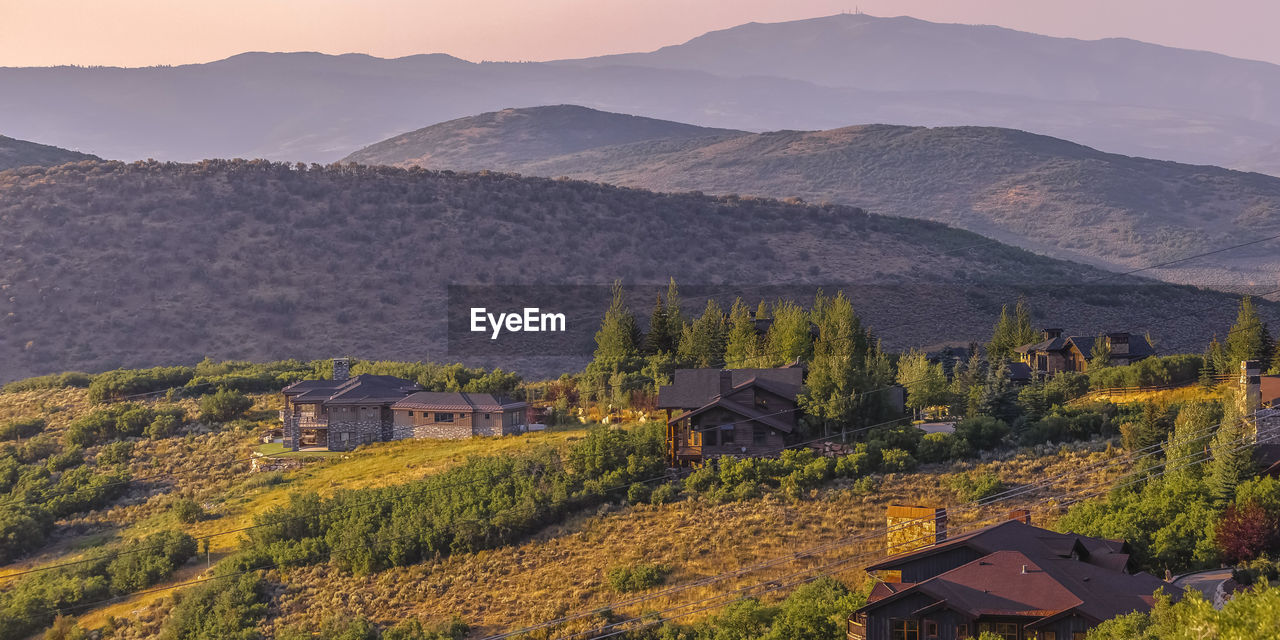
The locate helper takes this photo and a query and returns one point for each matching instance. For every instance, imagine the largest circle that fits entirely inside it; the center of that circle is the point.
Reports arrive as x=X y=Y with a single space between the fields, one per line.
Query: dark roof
x=362 y=389
x=1014 y=583
x=1052 y=344
x=694 y=388
x=1019 y=371
x=458 y=401
x=1138 y=346
x=746 y=411
x=1015 y=535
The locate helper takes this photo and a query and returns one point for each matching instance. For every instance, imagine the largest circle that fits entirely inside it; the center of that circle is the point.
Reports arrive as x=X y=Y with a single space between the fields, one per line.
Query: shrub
x=637 y=577
x=21 y=428
x=224 y=406
x=983 y=432
x=117 y=452
x=638 y=493
x=971 y=487
x=114 y=385
x=147 y=561
x=163 y=426
x=70 y=457
x=936 y=447
x=51 y=381
x=896 y=460
x=188 y=511
x=854 y=465
x=665 y=494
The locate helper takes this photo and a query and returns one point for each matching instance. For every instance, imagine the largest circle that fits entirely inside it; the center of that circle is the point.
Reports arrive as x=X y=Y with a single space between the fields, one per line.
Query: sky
x=149 y=32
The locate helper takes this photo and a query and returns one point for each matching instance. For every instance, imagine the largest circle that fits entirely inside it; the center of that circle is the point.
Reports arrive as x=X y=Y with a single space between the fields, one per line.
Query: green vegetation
x=123 y=420
x=638 y=577
x=1251 y=614
x=21 y=428
x=818 y=610
x=1150 y=372
x=51 y=381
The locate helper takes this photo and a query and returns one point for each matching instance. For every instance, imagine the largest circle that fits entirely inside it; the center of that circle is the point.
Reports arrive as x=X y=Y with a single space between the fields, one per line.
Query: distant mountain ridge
x=1117 y=95
x=21 y=153
x=1049 y=195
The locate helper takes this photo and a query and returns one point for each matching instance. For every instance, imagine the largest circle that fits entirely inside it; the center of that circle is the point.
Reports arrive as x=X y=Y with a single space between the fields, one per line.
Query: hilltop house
x=437 y=414
x=733 y=412
x=1012 y=579
x=1057 y=352
x=346 y=412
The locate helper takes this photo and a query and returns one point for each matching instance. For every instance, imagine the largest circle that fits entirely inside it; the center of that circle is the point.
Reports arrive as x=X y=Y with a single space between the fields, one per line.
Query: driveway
x=1205 y=582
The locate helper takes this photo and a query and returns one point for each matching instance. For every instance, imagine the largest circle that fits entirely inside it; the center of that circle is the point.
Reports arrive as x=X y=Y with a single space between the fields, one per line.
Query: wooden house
x=731 y=412
x=448 y=415
x=1056 y=352
x=1012 y=579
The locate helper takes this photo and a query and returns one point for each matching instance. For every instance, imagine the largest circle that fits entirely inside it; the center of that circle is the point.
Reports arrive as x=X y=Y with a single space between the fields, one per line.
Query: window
x=1005 y=630
x=904 y=630
x=759 y=434
x=1048 y=635
x=410 y=414
x=962 y=631
x=930 y=629
x=709 y=438
x=486 y=416
x=726 y=434
x=1079 y=635
x=444 y=417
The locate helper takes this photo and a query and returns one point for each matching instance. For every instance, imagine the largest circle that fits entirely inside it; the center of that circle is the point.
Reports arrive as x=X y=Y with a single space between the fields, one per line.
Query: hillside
x=20 y=153
x=518 y=136
x=1118 y=95
x=1044 y=194
x=110 y=264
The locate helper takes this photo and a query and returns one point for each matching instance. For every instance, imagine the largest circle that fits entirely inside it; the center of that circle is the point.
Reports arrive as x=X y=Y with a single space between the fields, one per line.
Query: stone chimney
x=1051 y=333
x=911 y=528
x=1119 y=342
x=726 y=382
x=1250 y=398
x=341 y=368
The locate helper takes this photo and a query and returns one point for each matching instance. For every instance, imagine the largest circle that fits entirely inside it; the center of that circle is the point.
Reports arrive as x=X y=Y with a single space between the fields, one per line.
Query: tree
x=658 y=340
x=924 y=381
x=742 y=345
x=788 y=338
x=819 y=610
x=618 y=337
x=839 y=359
x=1192 y=431
x=996 y=397
x=1011 y=332
x=1101 y=356
x=702 y=342
x=1244 y=532
x=1249 y=338
x=226 y=404
x=1232 y=459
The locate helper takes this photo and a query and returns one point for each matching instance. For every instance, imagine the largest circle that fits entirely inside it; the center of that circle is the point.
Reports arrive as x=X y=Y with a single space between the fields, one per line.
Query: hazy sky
x=145 y=32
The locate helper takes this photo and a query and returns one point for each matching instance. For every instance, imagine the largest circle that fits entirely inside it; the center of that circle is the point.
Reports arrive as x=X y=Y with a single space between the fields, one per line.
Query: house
x=1259 y=402
x=1057 y=352
x=437 y=414
x=1015 y=580
x=733 y=412
x=343 y=413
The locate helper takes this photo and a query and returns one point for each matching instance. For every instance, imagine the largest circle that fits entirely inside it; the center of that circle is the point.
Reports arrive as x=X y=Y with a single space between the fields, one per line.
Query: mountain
x=20 y=153
x=1040 y=193
x=1117 y=95
x=108 y=264
x=518 y=136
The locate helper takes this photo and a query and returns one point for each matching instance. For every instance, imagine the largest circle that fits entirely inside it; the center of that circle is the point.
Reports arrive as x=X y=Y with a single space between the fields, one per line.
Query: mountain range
x=1117 y=95
x=110 y=264
x=1048 y=195
x=21 y=153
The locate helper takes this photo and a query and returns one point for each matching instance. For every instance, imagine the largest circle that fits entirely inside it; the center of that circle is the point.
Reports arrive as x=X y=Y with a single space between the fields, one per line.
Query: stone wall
x=345 y=436
x=437 y=431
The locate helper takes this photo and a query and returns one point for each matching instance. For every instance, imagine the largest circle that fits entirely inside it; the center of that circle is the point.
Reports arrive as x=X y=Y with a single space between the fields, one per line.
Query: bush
x=114 y=385
x=936 y=447
x=896 y=460
x=52 y=381
x=188 y=511
x=70 y=457
x=665 y=494
x=115 y=453
x=982 y=432
x=856 y=464
x=149 y=560
x=21 y=428
x=638 y=493
x=971 y=487
x=637 y=577
x=224 y=406
x=163 y=426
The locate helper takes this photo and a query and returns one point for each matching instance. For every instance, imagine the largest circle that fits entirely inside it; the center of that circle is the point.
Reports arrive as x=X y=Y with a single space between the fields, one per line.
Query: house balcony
x=857 y=629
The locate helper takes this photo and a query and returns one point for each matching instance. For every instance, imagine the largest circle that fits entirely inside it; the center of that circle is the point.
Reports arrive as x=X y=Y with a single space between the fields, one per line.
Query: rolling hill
x=109 y=264
x=1118 y=95
x=1044 y=194
x=20 y=153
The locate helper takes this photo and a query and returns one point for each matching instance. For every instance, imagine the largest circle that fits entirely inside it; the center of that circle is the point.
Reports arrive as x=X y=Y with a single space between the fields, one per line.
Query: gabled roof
x=1015 y=535
x=458 y=401
x=693 y=388
x=1013 y=583
x=748 y=412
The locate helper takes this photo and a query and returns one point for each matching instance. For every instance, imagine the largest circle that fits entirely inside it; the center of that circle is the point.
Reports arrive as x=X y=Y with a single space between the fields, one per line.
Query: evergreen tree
x=660 y=339
x=762 y=310
x=618 y=337
x=1249 y=338
x=967 y=377
x=742 y=345
x=675 y=319
x=996 y=397
x=1192 y=432
x=788 y=338
x=1232 y=459
x=1101 y=356
x=839 y=359
x=1011 y=331
x=702 y=343
x=1024 y=331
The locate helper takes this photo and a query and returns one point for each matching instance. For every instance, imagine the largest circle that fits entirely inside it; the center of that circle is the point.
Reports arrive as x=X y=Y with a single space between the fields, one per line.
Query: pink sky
x=146 y=32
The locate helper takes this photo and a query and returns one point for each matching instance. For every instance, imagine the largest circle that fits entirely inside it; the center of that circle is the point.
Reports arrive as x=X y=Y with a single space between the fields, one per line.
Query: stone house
x=343 y=413
x=433 y=414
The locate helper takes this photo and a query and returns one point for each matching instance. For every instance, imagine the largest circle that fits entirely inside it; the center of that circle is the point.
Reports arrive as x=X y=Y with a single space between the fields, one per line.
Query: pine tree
x=762 y=310
x=1002 y=336
x=788 y=338
x=996 y=397
x=618 y=337
x=839 y=357
x=1024 y=331
x=1192 y=432
x=742 y=345
x=675 y=319
x=1249 y=338
x=1101 y=356
x=659 y=339
x=702 y=343
x=1232 y=459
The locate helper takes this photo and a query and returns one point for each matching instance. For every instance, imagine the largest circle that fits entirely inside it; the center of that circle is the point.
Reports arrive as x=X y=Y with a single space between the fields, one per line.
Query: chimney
x=1119 y=343
x=341 y=368
x=726 y=382
x=1250 y=398
x=1051 y=333
x=911 y=528
x=1020 y=515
